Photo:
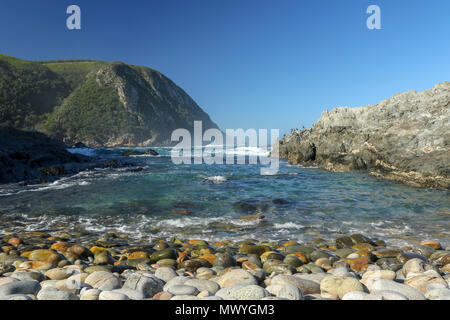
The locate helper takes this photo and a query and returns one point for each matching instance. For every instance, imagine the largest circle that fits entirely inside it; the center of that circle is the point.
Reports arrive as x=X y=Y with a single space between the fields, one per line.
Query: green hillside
x=95 y=102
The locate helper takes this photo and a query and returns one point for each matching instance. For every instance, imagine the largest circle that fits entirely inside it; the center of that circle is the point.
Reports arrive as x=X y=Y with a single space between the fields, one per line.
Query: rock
x=340 y=286
x=54 y=294
x=205 y=273
x=20 y=287
x=203 y=285
x=387 y=253
x=165 y=274
x=103 y=280
x=251 y=292
x=59 y=273
x=421 y=282
x=306 y=286
x=275 y=288
x=349 y=285
x=90 y=294
x=344 y=242
x=435 y=294
x=236 y=276
x=224 y=260
x=290 y=292
x=183 y=290
x=167 y=253
x=414 y=265
x=163 y=296
x=355 y=295
x=425 y=251
x=407 y=291
x=184 y=298
x=390 y=295
x=432 y=243
x=92 y=269
x=146 y=284
x=343 y=253
x=316 y=277
x=131 y=294
x=27 y=275
x=22 y=297
x=293 y=261
x=176 y=281
x=103 y=257
x=7 y=280
x=228 y=292
x=403 y=257
x=369 y=277
x=45 y=255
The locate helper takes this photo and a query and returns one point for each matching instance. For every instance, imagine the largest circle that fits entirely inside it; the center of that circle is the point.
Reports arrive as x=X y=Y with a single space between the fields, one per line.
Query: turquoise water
x=162 y=199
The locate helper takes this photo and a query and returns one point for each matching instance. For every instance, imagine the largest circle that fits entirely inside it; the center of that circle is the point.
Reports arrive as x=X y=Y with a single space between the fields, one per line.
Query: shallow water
x=208 y=201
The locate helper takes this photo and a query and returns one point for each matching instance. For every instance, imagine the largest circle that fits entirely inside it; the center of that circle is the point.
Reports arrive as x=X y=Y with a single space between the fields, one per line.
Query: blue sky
x=250 y=63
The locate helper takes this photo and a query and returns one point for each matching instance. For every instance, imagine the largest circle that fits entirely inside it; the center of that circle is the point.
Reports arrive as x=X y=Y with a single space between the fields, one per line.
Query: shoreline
x=54 y=266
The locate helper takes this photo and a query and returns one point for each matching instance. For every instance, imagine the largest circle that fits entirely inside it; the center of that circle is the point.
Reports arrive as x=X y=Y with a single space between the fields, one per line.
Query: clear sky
x=249 y=63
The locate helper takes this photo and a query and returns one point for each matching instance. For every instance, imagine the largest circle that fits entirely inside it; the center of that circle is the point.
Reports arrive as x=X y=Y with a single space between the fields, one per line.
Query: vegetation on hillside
x=95 y=102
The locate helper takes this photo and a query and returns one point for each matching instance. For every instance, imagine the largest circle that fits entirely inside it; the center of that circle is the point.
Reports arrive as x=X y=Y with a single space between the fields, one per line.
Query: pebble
x=306 y=286
x=145 y=284
x=250 y=292
x=20 y=287
x=111 y=295
x=103 y=280
x=204 y=285
x=236 y=276
x=183 y=290
x=165 y=274
x=290 y=292
x=54 y=294
x=90 y=294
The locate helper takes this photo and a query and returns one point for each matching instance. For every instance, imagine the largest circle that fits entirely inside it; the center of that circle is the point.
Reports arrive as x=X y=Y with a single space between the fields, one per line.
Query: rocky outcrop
x=29 y=155
x=405 y=138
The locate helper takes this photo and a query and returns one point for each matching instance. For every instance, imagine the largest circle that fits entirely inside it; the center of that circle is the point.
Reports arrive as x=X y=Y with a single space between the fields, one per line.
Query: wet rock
x=432 y=243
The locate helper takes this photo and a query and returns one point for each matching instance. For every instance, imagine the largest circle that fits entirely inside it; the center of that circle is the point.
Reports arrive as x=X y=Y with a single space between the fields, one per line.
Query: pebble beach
x=53 y=266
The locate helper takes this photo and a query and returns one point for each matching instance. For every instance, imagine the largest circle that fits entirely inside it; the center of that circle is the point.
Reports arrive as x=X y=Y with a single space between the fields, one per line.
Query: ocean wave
x=84 y=151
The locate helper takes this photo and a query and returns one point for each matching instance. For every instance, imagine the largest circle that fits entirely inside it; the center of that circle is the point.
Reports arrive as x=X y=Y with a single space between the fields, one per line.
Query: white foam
x=217 y=179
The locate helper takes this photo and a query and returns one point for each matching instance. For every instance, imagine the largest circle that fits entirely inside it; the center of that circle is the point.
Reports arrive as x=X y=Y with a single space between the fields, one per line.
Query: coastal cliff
x=405 y=138
x=98 y=103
